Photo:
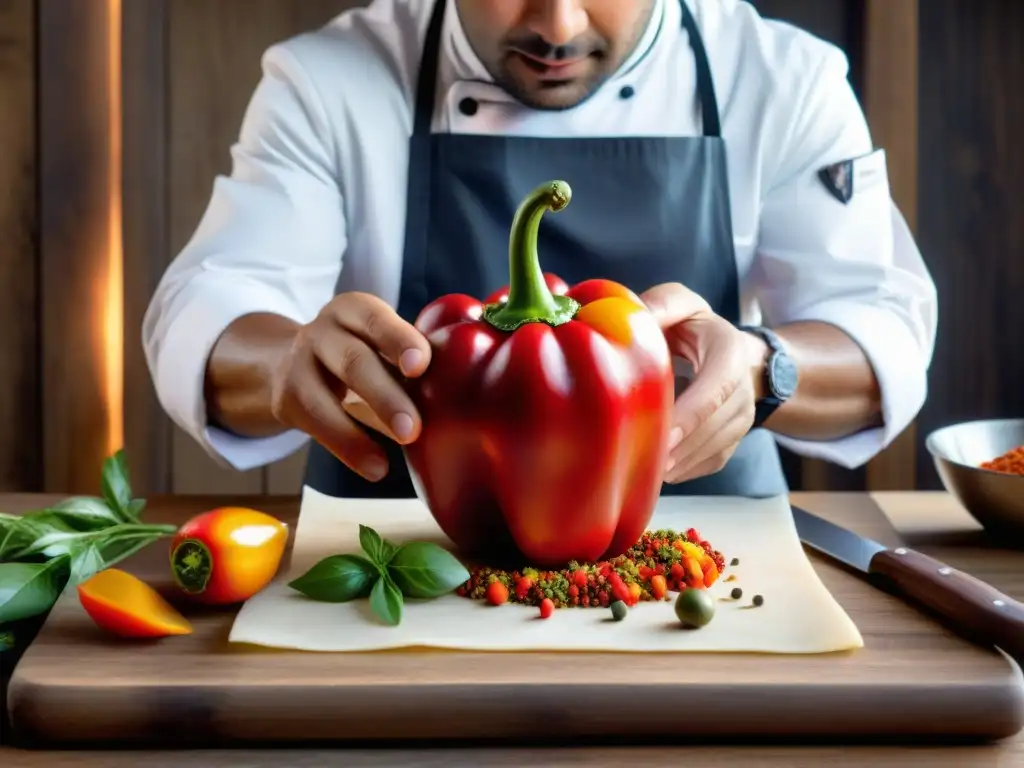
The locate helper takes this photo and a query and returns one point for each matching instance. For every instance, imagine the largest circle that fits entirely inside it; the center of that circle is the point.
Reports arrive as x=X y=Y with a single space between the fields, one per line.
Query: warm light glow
x=113 y=300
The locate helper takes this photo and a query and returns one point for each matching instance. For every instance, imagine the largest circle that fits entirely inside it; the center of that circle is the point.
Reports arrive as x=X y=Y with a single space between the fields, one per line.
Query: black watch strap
x=764 y=408
x=767 y=405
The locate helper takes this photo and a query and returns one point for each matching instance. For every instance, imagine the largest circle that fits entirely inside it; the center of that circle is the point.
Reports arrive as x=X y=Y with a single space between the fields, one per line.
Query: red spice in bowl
x=660 y=561
x=1011 y=462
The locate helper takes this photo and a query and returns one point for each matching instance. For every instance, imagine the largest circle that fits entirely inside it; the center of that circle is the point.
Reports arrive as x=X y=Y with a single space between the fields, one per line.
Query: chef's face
x=553 y=54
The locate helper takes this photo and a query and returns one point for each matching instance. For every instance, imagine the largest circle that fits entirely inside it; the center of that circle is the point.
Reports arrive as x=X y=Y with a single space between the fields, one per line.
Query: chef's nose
x=559 y=21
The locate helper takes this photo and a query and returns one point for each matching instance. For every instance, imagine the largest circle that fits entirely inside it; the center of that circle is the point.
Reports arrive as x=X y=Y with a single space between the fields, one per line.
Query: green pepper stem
x=529 y=298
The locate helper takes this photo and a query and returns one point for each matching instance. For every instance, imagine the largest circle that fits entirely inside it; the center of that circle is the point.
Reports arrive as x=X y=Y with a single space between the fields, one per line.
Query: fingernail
x=402 y=426
x=410 y=360
x=375 y=468
x=675 y=437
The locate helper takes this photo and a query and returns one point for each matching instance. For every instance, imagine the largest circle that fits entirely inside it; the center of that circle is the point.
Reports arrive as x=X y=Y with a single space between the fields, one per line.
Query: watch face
x=782 y=376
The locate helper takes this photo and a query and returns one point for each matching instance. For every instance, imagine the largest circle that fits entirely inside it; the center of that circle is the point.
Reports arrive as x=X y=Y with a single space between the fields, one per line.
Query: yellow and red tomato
x=227 y=555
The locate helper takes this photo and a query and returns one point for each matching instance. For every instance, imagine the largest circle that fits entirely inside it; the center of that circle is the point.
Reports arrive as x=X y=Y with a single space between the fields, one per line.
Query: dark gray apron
x=645 y=211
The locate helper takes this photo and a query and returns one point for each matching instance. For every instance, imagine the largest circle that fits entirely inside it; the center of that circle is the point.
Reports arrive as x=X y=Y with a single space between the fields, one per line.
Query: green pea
x=619 y=610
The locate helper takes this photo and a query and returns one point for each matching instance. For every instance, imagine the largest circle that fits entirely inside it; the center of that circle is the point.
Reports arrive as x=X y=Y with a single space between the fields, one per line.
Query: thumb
x=673 y=303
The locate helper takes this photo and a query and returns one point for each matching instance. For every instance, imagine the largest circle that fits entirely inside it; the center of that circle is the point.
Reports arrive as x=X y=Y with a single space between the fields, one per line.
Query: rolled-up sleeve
x=271 y=240
x=853 y=265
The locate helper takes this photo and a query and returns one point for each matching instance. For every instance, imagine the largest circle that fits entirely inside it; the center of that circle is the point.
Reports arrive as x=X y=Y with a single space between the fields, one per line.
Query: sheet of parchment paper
x=799 y=615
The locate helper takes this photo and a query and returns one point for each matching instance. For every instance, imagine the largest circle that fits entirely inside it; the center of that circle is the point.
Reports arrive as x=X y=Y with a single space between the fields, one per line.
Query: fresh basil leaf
x=84 y=513
x=386 y=601
x=9 y=537
x=372 y=544
x=17 y=543
x=55 y=543
x=338 y=579
x=135 y=509
x=423 y=570
x=388 y=550
x=117 y=491
x=6 y=641
x=29 y=589
x=86 y=562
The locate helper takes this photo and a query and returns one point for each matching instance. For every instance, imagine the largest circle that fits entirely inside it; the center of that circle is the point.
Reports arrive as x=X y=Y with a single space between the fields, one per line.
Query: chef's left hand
x=716 y=410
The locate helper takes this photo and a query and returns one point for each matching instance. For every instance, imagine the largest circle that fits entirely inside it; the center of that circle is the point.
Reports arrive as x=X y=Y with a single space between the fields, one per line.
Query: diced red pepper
x=694 y=573
x=710 y=573
x=634 y=594
x=659 y=587
x=542 y=407
x=523 y=586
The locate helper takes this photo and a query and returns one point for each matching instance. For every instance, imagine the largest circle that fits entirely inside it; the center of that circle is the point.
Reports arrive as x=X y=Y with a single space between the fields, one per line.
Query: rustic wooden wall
x=77 y=237
x=971 y=222
x=20 y=423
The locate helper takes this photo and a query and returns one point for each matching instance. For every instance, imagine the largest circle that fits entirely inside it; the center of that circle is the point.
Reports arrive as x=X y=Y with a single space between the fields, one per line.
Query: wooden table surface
x=931 y=522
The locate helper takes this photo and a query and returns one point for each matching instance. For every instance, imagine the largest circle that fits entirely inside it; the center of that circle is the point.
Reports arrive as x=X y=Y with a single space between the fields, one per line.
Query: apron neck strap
x=705 y=85
x=427 y=78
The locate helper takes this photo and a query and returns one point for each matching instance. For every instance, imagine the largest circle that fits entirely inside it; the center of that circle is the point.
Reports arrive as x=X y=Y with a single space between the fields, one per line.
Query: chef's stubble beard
x=587 y=88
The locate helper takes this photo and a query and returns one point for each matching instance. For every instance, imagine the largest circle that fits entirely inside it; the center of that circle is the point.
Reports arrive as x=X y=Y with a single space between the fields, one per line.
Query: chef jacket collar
x=466 y=65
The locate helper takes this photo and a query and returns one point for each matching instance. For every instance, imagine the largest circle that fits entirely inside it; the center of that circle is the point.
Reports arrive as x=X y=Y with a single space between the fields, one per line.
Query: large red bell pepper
x=546 y=411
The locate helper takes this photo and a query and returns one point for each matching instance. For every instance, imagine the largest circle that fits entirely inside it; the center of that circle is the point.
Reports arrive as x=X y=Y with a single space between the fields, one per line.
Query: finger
x=309 y=405
x=362 y=371
x=715 y=453
x=674 y=303
x=376 y=323
x=694 y=448
x=706 y=395
x=707 y=467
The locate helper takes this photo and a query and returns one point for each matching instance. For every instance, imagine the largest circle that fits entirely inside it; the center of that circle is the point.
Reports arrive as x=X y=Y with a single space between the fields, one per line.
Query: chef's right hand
x=352 y=351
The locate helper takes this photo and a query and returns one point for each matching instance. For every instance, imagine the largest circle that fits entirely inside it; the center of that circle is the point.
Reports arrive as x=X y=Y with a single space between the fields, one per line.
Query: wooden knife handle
x=968 y=604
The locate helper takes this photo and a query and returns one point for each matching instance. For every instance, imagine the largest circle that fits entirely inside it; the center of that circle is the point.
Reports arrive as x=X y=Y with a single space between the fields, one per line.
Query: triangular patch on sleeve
x=838 y=180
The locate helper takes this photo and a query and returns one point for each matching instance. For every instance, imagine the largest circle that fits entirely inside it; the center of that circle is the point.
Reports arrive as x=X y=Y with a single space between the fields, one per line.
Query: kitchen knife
x=969 y=605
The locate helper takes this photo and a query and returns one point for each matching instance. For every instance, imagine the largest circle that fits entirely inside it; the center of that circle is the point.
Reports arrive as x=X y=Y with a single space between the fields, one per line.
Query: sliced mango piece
x=128 y=607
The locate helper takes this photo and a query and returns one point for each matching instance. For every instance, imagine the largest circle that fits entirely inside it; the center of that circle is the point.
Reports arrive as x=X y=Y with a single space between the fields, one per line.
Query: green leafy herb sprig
x=387 y=574
x=45 y=551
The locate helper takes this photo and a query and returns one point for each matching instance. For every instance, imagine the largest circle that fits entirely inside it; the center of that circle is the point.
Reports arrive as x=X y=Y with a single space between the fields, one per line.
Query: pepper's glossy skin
x=227 y=555
x=125 y=606
x=546 y=444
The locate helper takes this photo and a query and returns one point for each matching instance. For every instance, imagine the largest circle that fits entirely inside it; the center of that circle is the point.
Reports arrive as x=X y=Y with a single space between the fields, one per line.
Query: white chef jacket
x=316 y=197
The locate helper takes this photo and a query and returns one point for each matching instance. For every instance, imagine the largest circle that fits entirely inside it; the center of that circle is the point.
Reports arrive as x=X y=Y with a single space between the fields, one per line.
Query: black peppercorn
x=735 y=561
x=737 y=593
x=758 y=600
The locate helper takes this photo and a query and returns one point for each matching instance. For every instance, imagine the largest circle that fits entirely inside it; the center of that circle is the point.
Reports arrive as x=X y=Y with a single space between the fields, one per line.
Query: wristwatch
x=780 y=375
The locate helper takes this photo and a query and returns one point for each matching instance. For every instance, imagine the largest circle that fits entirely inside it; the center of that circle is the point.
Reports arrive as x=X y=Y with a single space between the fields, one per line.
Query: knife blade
x=968 y=605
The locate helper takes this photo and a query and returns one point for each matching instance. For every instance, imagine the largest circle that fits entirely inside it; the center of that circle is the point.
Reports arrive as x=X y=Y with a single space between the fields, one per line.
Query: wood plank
x=214 y=64
x=76 y=241
x=890 y=102
x=1000 y=755
x=21 y=466
x=969 y=220
x=144 y=121
x=75 y=684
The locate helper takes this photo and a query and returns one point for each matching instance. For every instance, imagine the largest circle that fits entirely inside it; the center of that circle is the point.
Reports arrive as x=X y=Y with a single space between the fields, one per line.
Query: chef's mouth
x=557 y=68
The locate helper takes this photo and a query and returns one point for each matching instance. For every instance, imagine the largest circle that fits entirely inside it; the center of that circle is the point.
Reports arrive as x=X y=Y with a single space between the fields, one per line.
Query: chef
x=722 y=169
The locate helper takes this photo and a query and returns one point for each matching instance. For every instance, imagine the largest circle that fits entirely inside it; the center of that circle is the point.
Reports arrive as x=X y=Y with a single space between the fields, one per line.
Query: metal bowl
x=995 y=499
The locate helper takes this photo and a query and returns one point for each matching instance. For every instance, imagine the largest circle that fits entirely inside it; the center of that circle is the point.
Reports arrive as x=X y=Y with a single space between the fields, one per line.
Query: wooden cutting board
x=912 y=679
